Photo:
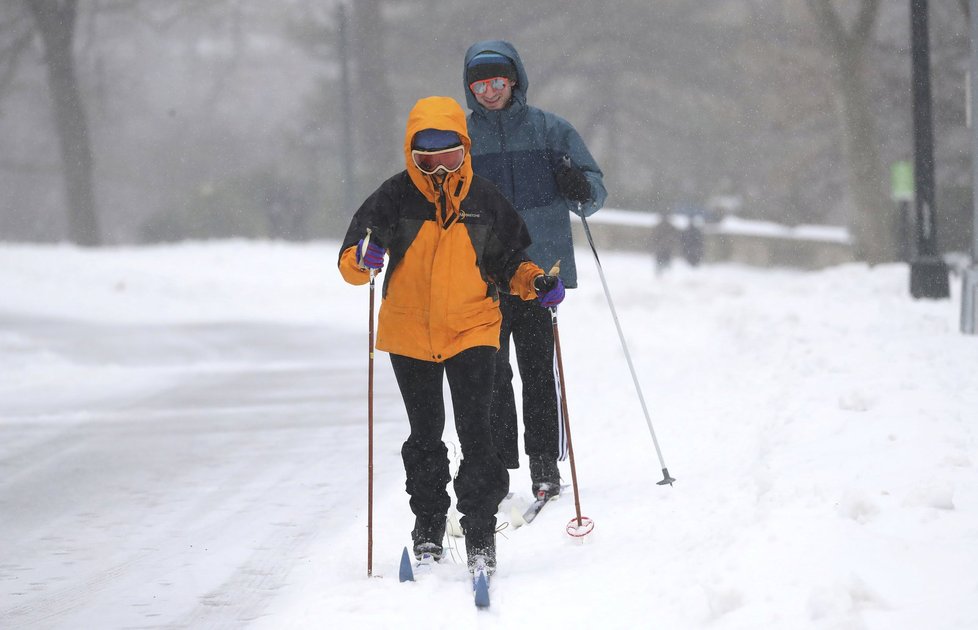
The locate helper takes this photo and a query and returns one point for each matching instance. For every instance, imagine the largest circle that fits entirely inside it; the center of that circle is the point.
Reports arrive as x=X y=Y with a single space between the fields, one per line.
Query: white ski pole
x=666 y=479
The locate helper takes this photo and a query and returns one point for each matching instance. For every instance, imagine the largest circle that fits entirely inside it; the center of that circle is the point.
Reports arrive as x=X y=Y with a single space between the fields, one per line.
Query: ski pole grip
x=366 y=242
x=363 y=251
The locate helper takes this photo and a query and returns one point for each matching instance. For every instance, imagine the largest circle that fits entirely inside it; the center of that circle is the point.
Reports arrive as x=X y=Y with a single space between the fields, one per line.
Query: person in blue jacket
x=539 y=162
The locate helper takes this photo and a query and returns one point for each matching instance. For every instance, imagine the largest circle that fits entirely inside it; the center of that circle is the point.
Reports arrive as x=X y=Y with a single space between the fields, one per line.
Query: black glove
x=572 y=183
x=550 y=290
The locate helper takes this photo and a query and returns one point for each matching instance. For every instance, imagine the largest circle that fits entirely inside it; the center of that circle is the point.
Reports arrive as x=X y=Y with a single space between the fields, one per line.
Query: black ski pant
x=482 y=480
x=531 y=328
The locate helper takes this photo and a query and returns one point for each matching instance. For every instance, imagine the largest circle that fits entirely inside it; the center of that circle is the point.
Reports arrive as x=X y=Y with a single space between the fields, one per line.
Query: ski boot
x=428 y=534
x=480 y=547
x=545 y=477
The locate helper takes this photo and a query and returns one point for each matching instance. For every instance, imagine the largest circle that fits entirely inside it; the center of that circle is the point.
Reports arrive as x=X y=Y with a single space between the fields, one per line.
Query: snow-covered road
x=177 y=478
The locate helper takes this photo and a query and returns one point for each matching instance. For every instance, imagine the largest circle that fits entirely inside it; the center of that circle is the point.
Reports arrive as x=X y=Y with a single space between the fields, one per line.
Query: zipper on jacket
x=509 y=160
x=447 y=221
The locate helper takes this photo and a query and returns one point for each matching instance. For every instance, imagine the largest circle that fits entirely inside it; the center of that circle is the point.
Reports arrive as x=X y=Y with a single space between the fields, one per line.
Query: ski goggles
x=447 y=160
x=497 y=83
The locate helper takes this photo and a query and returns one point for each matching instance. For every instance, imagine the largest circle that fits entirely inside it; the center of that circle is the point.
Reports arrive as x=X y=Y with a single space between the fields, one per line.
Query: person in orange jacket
x=454 y=243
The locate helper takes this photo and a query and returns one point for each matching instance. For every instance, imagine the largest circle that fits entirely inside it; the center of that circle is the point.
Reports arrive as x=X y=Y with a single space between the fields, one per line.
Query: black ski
x=534 y=509
x=536 y=506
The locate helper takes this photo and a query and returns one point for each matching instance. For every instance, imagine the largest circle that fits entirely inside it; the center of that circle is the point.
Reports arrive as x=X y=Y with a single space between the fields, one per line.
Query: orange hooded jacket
x=452 y=246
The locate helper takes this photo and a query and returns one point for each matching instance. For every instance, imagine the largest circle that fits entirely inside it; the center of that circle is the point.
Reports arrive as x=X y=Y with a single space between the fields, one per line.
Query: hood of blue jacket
x=503 y=48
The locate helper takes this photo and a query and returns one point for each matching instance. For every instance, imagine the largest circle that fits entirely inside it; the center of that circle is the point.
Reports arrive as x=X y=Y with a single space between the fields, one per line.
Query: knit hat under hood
x=489 y=65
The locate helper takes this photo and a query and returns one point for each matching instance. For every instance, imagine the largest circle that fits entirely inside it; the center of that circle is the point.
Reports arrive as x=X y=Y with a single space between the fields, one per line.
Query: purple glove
x=550 y=290
x=373 y=258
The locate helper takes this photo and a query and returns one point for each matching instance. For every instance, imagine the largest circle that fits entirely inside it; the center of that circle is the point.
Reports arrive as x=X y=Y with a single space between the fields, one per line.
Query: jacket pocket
x=485 y=315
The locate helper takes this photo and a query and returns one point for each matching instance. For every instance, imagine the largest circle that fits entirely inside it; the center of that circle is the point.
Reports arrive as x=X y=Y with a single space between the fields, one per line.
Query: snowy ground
x=183 y=444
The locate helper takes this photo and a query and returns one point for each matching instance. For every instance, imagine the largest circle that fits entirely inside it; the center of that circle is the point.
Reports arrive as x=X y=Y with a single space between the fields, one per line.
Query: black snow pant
x=482 y=480
x=532 y=330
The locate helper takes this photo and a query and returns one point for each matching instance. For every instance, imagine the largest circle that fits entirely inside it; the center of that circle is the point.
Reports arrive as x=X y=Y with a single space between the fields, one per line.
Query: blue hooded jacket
x=519 y=149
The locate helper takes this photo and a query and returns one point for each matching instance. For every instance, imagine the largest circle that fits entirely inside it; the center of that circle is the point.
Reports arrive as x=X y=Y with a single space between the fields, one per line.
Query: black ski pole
x=666 y=479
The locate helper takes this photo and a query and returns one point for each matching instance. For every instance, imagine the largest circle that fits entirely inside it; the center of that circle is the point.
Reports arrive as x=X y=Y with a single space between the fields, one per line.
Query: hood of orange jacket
x=444 y=113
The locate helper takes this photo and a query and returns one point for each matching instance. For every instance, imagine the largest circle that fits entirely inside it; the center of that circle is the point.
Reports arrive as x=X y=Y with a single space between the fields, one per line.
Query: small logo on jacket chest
x=462 y=215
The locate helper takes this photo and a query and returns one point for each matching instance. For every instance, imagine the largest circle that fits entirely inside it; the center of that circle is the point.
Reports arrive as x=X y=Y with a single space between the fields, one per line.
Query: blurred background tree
x=55 y=21
x=226 y=117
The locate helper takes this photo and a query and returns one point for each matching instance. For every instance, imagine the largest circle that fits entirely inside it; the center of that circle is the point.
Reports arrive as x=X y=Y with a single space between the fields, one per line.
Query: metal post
x=905 y=229
x=969 y=285
x=901 y=189
x=928 y=271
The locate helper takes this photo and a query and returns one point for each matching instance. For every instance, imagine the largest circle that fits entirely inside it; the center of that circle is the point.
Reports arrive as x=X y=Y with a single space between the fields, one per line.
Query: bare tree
x=371 y=134
x=15 y=39
x=376 y=106
x=873 y=223
x=55 y=21
x=677 y=100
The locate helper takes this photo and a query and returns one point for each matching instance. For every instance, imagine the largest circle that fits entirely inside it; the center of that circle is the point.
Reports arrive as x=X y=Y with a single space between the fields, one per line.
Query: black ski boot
x=480 y=546
x=545 y=476
x=428 y=534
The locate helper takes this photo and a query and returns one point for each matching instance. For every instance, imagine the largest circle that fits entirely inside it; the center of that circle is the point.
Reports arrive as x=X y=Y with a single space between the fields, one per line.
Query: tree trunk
x=55 y=21
x=875 y=224
x=381 y=143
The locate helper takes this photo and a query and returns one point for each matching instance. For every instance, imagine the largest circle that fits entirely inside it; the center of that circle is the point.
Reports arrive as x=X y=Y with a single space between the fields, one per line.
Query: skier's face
x=494 y=99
